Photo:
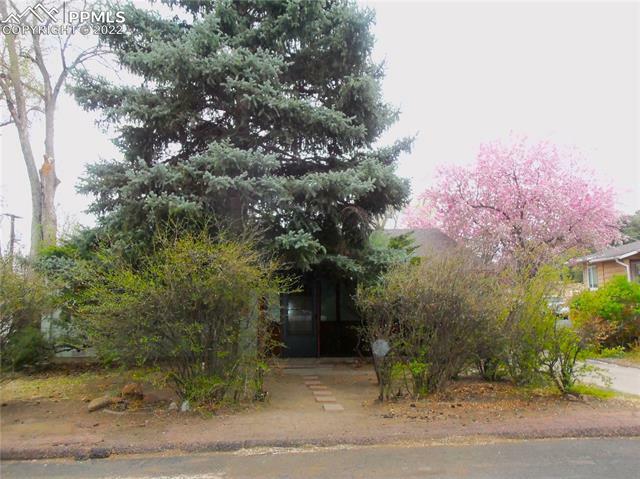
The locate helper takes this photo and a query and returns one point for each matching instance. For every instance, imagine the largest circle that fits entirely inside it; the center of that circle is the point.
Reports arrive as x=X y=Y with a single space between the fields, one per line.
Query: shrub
x=432 y=314
x=23 y=301
x=195 y=305
x=610 y=315
x=27 y=349
x=68 y=273
x=536 y=349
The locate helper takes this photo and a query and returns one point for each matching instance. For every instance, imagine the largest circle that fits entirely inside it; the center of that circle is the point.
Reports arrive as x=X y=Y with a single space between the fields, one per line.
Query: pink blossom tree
x=522 y=200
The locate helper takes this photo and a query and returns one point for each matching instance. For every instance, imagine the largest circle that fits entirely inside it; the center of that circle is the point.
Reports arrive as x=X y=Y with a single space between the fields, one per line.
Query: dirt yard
x=48 y=413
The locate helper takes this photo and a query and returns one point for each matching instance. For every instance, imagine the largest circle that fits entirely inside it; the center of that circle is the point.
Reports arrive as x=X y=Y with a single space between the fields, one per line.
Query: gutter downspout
x=626 y=266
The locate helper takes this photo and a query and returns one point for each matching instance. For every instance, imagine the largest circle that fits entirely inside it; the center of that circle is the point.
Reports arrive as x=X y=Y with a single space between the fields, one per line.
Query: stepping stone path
x=333 y=407
x=322 y=394
x=325 y=399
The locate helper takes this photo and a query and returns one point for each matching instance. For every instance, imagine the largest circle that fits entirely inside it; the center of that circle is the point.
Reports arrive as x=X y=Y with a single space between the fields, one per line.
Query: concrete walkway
x=623 y=379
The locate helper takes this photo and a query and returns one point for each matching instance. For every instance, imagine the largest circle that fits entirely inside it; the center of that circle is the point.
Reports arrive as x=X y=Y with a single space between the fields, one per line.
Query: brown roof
x=428 y=240
x=616 y=252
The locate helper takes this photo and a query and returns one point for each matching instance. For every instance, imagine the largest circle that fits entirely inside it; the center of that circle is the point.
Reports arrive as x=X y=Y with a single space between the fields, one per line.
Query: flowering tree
x=520 y=199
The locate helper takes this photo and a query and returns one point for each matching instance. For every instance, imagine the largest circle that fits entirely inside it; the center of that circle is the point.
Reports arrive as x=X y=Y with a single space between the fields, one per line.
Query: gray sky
x=462 y=73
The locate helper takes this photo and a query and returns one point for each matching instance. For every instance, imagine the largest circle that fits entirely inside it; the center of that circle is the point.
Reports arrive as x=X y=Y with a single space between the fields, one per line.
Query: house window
x=593 y=276
x=635 y=271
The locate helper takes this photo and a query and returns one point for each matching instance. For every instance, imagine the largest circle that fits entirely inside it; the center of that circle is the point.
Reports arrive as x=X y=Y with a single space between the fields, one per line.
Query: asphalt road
x=563 y=458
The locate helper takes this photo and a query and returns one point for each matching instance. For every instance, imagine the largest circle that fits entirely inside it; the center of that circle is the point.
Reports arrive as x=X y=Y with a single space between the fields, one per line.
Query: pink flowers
x=520 y=196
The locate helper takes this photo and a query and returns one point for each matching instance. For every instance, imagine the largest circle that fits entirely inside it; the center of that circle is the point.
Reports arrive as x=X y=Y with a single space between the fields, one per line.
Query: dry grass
x=473 y=400
x=633 y=356
x=65 y=384
x=629 y=358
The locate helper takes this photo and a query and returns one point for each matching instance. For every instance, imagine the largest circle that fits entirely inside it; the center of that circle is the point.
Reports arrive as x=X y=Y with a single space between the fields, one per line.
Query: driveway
x=570 y=458
x=623 y=379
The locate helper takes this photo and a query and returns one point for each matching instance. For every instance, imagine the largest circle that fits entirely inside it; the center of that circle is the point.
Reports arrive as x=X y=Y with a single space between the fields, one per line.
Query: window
x=635 y=271
x=593 y=276
x=300 y=313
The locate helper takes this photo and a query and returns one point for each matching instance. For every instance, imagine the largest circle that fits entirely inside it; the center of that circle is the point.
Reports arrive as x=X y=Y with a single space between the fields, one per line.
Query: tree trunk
x=49 y=182
x=48 y=179
x=36 y=189
x=18 y=109
x=43 y=184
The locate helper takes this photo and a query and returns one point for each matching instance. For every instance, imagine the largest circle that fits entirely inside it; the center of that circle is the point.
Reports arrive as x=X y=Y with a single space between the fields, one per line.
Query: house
x=600 y=267
x=322 y=320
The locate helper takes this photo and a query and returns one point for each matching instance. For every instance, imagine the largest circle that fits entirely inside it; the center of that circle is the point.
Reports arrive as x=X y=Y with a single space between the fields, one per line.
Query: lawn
x=67 y=384
x=619 y=356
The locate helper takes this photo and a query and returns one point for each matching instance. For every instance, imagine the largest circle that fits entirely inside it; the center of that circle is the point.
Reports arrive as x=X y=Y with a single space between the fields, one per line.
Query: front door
x=300 y=328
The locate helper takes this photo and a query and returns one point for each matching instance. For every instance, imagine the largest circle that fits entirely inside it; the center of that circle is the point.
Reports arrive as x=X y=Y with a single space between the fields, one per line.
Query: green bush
x=432 y=314
x=197 y=307
x=27 y=349
x=535 y=349
x=24 y=299
x=610 y=315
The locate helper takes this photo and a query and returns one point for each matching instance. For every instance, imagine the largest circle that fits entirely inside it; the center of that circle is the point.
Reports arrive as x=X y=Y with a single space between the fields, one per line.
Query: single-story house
x=601 y=266
x=322 y=320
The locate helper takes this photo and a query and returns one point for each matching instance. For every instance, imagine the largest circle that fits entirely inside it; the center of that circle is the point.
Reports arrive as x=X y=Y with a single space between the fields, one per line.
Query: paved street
x=623 y=379
x=566 y=459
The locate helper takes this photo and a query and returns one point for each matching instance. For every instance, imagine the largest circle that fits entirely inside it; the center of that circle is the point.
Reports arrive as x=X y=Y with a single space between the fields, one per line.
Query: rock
x=132 y=390
x=120 y=405
x=93 y=453
x=99 y=453
x=173 y=406
x=150 y=399
x=99 y=403
x=185 y=406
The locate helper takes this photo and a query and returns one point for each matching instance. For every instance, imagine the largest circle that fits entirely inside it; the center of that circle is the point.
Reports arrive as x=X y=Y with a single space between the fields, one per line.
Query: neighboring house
x=600 y=267
x=322 y=320
x=427 y=240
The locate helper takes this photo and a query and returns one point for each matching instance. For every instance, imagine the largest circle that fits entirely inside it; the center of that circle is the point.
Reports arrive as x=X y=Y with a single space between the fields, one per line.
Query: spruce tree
x=261 y=114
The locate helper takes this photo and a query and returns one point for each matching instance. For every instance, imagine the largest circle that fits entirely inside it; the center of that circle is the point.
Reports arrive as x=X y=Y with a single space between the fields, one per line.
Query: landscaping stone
x=318 y=387
x=119 y=404
x=150 y=398
x=173 y=406
x=99 y=403
x=185 y=406
x=322 y=393
x=93 y=453
x=313 y=383
x=325 y=399
x=132 y=390
x=333 y=407
x=310 y=378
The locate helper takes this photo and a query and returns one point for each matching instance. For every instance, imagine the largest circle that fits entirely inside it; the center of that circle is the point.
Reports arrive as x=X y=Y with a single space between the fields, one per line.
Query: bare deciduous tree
x=34 y=69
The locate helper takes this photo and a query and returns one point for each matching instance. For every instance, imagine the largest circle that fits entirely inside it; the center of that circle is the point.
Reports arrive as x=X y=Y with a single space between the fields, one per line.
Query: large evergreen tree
x=261 y=113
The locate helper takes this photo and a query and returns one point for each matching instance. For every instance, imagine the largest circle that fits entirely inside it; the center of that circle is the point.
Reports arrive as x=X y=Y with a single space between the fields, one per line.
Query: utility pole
x=12 y=232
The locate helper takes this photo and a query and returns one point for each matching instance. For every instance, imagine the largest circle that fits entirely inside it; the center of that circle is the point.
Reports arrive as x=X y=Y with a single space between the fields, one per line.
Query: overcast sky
x=461 y=73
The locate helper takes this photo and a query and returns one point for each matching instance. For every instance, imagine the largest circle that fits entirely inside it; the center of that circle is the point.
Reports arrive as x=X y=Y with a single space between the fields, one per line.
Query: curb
x=85 y=453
